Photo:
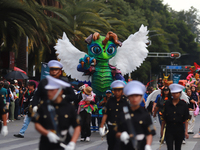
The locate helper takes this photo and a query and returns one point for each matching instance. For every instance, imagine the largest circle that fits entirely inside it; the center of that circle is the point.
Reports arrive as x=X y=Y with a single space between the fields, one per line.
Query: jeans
x=16 y=113
x=27 y=120
x=12 y=110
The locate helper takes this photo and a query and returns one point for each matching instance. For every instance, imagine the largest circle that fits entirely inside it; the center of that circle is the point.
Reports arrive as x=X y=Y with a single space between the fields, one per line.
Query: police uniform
x=41 y=92
x=65 y=116
x=115 y=115
x=175 y=116
x=140 y=120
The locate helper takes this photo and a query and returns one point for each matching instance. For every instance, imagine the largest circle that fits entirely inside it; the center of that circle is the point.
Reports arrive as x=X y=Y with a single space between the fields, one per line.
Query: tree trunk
x=21 y=56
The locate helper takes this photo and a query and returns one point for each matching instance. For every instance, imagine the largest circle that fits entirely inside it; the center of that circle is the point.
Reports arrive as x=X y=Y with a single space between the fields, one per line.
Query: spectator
x=16 y=111
x=195 y=95
x=159 y=83
x=106 y=98
x=9 y=96
x=3 y=91
x=191 y=107
x=12 y=103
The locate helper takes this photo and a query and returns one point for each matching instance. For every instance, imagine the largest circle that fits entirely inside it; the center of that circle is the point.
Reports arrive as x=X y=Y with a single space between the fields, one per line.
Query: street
x=31 y=139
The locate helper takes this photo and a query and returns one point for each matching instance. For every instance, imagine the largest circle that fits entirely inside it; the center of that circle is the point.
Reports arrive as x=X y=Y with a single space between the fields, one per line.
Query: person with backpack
x=27 y=107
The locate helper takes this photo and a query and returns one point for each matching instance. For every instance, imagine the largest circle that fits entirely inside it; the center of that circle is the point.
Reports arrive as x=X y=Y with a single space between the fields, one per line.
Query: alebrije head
x=101 y=47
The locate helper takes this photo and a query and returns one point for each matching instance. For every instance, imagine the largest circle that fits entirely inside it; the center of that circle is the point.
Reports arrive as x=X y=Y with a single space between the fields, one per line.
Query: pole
x=171 y=70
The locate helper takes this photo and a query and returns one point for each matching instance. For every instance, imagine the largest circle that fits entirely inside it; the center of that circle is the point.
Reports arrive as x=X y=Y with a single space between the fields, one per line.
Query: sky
x=182 y=4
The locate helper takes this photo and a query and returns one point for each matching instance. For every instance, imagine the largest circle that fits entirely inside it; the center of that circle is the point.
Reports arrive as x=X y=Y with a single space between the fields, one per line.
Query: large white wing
x=132 y=53
x=152 y=97
x=69 y=56
x=184 y=97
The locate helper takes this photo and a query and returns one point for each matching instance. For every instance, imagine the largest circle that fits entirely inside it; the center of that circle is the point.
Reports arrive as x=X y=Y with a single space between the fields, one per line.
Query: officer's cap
x=54 y=83
x=176 y=88
x=54 y=64
x=134 y=87
x=117 y=84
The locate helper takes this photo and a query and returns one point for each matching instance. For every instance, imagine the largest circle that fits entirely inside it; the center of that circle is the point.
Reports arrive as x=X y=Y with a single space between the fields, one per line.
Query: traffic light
x=187 y=67
x=175 y=55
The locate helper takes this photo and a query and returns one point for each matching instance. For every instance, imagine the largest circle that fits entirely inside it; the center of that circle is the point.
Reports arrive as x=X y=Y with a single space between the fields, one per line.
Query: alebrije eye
x=111 y=50
x=96 y=49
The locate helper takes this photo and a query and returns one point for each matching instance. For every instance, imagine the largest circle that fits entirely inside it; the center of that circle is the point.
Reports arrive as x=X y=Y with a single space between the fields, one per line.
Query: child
x=86 y=106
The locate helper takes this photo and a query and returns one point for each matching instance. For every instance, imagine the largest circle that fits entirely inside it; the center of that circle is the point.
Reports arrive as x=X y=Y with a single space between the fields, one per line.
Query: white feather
x=184 y=97
x=152 y=97
x=69 y=56
x=132 y=53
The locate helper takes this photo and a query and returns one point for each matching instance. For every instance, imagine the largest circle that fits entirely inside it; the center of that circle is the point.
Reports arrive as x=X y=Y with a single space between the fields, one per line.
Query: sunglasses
x=52 y=69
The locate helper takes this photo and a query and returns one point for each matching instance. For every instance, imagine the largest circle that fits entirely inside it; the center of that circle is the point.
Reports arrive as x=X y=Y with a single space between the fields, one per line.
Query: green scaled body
x=102 y=78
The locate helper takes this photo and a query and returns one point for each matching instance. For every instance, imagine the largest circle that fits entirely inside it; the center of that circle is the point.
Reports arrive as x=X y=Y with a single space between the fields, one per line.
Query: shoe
x=8 y=121
x=183 y=142
x=87 y=139
x=82 y=139
x=12 y=120
x=21 y=115
x=18 y=135
x=190 y=132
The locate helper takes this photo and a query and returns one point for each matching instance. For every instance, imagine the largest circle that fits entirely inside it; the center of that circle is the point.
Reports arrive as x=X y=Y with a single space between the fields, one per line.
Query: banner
x=176 y=78
x=44 y=71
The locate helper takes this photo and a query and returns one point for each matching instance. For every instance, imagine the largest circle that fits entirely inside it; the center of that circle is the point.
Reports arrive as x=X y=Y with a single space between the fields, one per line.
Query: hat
x=108 y=91
x=54 y=83
x=134 y=87
x=88 y=90
x=117 y=84
x=54 y=64
x=176 y=88
x=15 y=81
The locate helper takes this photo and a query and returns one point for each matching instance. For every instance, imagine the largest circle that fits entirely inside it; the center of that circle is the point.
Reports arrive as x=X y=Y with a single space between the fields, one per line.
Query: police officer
x=140 y=119
x=54 y=117
x=3 y=111
x=113 y=114
x=175 y=115
x=56 y=72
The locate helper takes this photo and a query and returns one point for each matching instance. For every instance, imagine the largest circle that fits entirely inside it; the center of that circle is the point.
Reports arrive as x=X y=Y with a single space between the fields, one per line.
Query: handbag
x=196 y=112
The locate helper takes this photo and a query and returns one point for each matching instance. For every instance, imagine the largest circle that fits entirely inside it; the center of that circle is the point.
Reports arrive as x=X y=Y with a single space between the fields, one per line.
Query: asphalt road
x=31 y=139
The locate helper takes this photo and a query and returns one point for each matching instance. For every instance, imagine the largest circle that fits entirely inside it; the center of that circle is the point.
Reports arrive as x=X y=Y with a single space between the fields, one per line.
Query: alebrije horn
x=111 y=36
x=96 y=36
x=88 y=40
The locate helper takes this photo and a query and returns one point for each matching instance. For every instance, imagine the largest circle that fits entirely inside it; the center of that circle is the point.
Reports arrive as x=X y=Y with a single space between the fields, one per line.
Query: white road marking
x=188 y=146
x=90 y=145
x=26 y=143
x=8 y=140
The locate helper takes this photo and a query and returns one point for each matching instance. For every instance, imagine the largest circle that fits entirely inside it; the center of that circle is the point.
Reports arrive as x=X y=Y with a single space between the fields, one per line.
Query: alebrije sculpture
x=105 y=61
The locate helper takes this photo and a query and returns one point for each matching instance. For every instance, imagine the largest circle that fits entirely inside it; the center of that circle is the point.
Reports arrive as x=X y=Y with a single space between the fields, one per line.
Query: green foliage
x=170 y=31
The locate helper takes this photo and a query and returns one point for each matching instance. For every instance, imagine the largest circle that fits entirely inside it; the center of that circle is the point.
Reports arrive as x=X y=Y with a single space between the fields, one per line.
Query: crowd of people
x=125 y=118
x=15 y=96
